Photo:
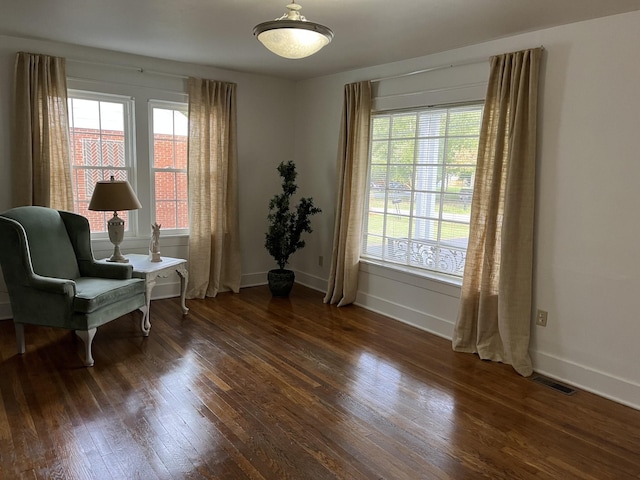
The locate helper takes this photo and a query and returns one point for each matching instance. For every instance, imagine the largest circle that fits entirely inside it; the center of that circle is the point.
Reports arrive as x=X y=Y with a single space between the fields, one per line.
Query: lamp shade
x=292 y=35
x=113 y=195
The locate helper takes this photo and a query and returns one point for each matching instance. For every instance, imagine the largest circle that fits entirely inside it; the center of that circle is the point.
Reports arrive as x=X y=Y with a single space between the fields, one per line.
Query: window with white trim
x=169 y=125
x=422 y=165
x=101 y=146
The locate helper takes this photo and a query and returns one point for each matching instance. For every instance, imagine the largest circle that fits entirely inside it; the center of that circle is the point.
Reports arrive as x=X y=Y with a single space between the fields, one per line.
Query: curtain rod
x=128 y=67
x=91 y=80
x=433 y=90
x=437 y=67
x=431 y=69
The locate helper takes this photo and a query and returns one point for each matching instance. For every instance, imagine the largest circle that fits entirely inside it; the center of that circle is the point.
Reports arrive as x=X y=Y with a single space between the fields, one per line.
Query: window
x=103 y=143
x=169 y=167
x=421 y=170
x=101 y=146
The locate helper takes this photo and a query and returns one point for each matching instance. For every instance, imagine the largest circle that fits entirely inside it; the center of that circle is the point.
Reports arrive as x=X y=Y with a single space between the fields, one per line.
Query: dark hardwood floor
x=247 y=386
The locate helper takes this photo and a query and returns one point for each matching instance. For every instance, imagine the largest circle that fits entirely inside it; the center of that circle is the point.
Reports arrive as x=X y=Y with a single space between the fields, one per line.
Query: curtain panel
x=494 y=319
x=214 y=249
x=352 y=167
x=40 y=161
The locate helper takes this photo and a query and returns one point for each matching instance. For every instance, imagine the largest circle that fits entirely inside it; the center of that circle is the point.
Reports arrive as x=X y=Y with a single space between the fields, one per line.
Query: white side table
x=150 y=271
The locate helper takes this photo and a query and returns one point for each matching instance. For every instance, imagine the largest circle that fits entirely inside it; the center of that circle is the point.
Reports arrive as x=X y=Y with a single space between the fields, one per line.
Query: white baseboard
x=260 y=278
x=619 y=390
x=430 y=323
x=253 y=279
x=165 y=290
x=311 y=281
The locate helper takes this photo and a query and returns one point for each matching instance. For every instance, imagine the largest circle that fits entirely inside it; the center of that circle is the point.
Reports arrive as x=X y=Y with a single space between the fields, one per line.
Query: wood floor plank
x=253 y=387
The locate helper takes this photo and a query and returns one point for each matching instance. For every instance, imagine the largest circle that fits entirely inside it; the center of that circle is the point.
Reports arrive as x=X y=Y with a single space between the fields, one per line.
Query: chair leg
x=19 y=336
x=87 y=337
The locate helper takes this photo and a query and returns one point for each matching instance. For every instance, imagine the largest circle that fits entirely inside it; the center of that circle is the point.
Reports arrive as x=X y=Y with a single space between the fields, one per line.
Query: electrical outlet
x=541 y=318
x=320 y=260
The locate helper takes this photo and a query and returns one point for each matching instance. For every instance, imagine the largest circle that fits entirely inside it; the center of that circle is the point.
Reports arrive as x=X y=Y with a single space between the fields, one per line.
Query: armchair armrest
x=116 y=271
x=59 y=286
x=40 y=300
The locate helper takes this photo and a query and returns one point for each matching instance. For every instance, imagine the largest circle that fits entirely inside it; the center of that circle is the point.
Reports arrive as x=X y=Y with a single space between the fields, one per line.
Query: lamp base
x=117 y=256
x=115 y=227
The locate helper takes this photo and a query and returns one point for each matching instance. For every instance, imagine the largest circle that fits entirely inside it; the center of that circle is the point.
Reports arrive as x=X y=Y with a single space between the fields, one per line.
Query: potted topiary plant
x=285 y=229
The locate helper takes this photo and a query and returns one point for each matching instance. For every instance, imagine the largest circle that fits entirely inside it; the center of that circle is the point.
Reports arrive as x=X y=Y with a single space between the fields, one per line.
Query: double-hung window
x=169 y=167
x=105 y=143
x=422 y=164
x=101 y=145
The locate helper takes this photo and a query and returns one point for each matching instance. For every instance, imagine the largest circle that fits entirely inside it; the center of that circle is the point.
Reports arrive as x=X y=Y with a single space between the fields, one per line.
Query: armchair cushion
x=95 y=293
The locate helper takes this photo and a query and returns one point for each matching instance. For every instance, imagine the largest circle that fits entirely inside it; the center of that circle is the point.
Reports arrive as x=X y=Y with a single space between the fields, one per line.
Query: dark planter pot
x=280 y=282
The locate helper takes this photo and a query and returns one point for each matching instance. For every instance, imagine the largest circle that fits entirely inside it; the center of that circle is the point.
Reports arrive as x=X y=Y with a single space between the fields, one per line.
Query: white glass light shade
x=293 y=39
x=292 y=36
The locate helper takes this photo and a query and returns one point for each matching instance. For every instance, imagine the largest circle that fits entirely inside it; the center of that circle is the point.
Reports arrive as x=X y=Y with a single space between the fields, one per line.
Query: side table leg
x=184 y=280
x=146 y=324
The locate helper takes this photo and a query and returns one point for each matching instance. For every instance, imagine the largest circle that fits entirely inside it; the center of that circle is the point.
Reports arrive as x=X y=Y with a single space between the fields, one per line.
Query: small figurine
x=154 y=246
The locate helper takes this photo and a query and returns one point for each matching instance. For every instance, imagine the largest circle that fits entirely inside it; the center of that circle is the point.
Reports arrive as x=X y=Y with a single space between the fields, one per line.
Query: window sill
x=100 y=242
x=441 y=283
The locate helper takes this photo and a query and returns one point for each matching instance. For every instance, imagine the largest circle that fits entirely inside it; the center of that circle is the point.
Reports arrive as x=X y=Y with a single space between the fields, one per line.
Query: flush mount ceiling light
x=292 y=35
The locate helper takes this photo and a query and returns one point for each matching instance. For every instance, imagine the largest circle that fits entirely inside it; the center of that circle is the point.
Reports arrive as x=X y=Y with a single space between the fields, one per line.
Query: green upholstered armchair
x=53 y=279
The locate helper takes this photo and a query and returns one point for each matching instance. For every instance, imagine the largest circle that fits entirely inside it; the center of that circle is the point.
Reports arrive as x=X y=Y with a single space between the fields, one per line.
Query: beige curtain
x=41 y=166
x=495 y=308
x=214 y=251
x=352 y=181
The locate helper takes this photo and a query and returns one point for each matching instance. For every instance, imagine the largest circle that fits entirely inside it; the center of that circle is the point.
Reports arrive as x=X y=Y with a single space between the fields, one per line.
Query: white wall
x=587 y=270
x=265 y=122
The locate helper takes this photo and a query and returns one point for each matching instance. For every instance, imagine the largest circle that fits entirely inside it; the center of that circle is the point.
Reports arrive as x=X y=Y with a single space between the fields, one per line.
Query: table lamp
x=114 y=195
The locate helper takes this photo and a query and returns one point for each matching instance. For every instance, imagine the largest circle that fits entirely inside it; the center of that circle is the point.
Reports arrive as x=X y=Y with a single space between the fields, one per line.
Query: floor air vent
x=564 y=389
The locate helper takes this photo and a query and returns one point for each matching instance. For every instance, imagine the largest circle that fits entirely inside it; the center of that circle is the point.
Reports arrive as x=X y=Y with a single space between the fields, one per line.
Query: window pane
x=428 y=178
x=422 y=166
x=183 y=214
x=380 y=127
x=462 y=150
x=162 y=121
x=430 y=151
x=426 y=204
x=379 y=151
x=163 y=151
x=166 y=213
x=112 y=117
x=402 y=151
x=165 y=185
x=181 y=124
x=403 y=125
x=180 y=152
x=464 y=121
x=425 y=230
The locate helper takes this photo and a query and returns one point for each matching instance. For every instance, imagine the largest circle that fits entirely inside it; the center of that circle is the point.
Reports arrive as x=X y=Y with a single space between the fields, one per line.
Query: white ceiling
x=219 y=32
